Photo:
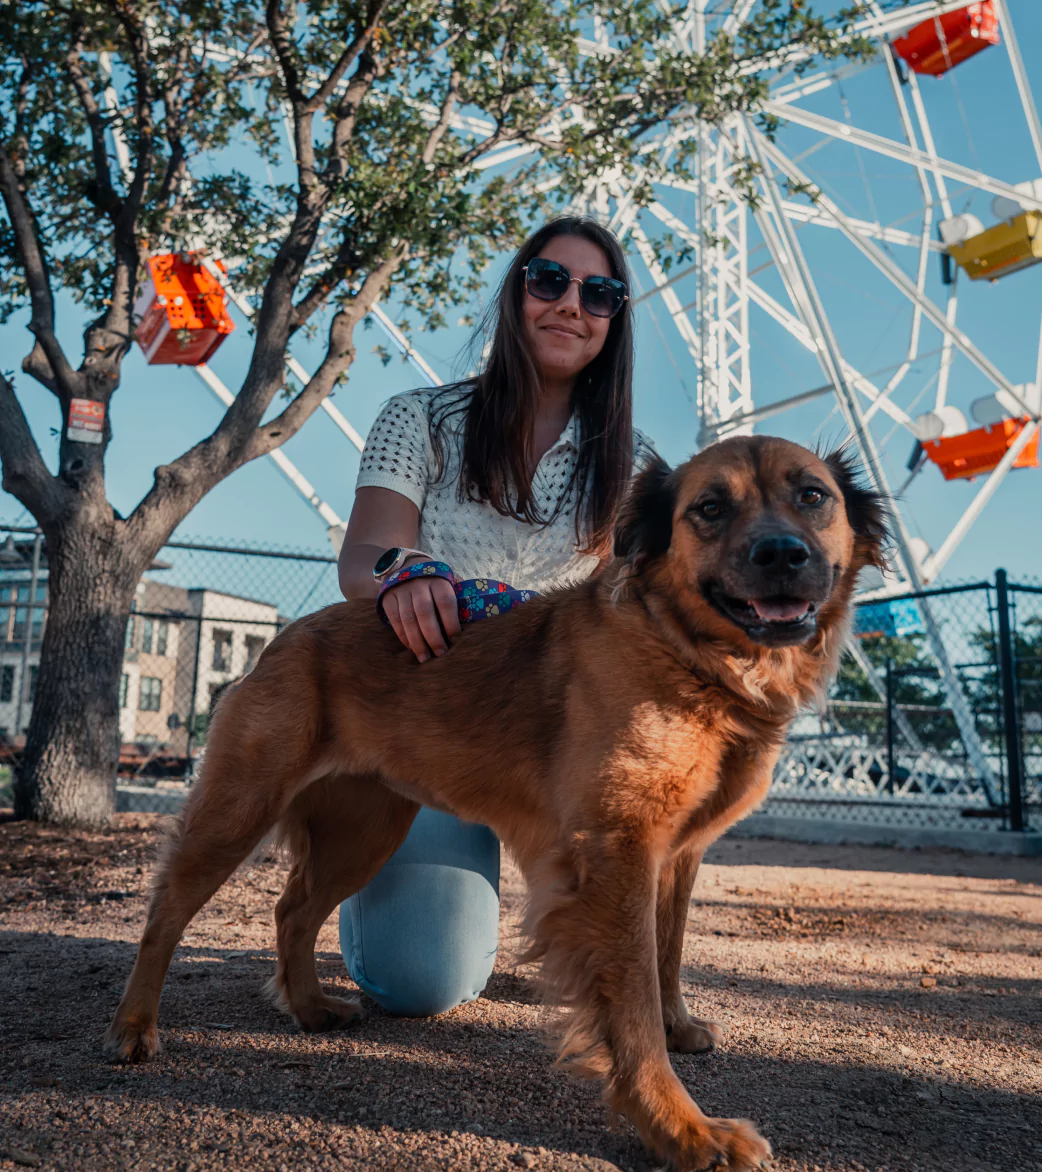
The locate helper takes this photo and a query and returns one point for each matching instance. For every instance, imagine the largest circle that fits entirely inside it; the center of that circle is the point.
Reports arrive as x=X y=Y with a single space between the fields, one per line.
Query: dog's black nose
x=782 y=551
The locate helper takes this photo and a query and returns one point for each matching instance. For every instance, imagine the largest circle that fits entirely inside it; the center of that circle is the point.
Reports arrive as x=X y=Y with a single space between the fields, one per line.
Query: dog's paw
x=131 y=1040
x=693 y=1036
x=327 y=1013
x=731 y=1145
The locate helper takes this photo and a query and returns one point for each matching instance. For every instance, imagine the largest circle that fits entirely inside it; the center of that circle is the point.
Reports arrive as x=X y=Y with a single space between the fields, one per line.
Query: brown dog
x=627 y=722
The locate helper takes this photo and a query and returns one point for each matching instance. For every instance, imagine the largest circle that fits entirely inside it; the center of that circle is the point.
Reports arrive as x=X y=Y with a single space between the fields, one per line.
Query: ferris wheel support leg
x=832 y=364
x=924 y=241
x=1020 y=76
x=669 y=297
x=944 y=370
x=896 y=276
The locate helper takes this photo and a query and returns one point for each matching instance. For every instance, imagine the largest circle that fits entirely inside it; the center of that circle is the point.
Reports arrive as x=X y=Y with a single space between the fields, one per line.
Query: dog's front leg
x=597 y=938
x=684 y=1034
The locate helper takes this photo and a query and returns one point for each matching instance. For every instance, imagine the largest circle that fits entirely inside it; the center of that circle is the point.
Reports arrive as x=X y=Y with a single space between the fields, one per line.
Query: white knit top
x=476 y=540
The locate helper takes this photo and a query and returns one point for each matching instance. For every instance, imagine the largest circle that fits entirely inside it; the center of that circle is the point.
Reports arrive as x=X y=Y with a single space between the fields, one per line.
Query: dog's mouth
x=776 y=618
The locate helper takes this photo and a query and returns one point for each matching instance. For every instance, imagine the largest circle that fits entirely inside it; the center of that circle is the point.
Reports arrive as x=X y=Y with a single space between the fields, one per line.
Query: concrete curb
x=819 y=830
x=144 y=799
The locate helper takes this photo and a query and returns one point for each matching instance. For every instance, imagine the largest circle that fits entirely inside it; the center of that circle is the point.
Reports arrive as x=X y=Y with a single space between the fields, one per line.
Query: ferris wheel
x=750 y=262
x=758 y=260
x=960 y=225
x=938 y=246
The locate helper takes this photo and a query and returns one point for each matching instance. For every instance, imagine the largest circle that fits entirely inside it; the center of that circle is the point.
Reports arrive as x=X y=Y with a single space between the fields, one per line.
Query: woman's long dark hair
x=500 y=404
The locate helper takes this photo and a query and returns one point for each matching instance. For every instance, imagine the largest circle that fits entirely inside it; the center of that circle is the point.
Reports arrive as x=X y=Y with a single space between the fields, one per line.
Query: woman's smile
x=562 y=330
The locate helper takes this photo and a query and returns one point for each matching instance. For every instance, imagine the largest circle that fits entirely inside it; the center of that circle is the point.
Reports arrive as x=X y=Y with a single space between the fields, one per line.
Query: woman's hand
x=422 y=611
x=423 y=614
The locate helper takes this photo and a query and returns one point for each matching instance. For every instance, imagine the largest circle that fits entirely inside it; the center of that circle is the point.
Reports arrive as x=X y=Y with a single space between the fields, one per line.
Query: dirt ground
x=883 y=1011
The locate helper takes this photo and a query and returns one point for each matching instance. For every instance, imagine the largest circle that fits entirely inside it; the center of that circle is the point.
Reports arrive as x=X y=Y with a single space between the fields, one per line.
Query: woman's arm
x=380 y=519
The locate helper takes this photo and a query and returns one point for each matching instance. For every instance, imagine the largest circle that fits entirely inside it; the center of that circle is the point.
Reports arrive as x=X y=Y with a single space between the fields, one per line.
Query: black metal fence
x=935 y=719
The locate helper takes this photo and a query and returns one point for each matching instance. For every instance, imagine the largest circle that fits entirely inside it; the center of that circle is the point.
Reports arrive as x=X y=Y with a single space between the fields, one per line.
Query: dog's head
x=762 y=538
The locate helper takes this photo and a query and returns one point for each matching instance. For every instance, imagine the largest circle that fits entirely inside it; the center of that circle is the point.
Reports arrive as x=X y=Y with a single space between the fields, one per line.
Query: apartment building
x=181 y=645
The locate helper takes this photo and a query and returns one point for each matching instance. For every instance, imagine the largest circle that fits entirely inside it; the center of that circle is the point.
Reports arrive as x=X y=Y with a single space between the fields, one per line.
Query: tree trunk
x=67 y=772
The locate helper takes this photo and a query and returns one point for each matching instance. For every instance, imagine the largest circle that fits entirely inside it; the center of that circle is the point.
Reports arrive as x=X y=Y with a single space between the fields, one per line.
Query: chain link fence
x=201 y=616
x=934 y=721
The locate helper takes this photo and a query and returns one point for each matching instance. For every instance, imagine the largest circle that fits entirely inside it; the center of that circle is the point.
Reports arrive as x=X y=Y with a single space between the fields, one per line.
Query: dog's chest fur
x=678 y=767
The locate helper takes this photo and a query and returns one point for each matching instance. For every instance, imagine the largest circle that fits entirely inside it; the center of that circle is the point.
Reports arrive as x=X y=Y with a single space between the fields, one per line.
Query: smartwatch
x=392 y=559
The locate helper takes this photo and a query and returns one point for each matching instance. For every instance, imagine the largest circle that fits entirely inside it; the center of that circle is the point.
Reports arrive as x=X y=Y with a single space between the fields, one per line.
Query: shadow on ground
x=228 y=1053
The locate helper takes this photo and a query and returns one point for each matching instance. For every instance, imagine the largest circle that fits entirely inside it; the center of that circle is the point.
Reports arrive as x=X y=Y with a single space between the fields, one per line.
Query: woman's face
x=563 y=336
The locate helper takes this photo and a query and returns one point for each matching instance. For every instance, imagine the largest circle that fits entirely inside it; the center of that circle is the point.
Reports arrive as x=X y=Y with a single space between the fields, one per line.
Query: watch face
x=386 y=560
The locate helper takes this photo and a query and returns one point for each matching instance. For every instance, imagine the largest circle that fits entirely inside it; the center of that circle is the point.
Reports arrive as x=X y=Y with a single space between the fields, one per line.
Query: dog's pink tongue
x=779 y=610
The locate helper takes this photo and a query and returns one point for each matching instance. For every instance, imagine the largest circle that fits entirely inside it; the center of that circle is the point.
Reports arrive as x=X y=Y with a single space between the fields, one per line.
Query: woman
x=516 y=475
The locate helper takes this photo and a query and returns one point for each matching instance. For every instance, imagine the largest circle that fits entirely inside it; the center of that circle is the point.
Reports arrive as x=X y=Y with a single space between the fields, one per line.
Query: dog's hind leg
x=596 y=935
x=341 y=831
x=244 y=789
x=684 y=1034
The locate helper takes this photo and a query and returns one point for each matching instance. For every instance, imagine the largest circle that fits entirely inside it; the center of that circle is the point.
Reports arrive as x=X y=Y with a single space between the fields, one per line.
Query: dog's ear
x=867 y=509
x=644 y=528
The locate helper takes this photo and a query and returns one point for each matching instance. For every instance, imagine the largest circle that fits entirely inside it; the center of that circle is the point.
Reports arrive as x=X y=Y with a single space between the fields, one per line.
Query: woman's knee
x=421 y=938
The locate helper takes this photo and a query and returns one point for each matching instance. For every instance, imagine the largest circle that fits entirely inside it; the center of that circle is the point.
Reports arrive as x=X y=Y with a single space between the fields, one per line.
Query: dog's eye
x=710 y=510
x=812 y=496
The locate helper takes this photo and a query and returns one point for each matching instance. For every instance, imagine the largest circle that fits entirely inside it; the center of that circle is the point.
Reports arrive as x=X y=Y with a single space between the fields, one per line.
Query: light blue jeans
x=421 y=937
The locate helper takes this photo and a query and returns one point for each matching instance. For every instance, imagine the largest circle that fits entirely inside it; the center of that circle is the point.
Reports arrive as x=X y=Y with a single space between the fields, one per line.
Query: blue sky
x=976 y=118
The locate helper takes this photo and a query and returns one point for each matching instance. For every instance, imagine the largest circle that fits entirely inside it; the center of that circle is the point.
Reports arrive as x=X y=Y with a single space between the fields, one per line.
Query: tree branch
x=347 y=112
x=439 y=129
x=117 y=322
x=339 y=356
x=138 y=41
x=176 y=109
x=282 y=43
x=25 y=475
x=348 y=57
x=178 y=486
x=21 y=130
x=343 y=263
x=105 y=197
x=60 y=374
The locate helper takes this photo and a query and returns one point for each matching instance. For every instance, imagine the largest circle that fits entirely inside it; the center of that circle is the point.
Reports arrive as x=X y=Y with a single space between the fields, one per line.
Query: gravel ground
x=883 y=1011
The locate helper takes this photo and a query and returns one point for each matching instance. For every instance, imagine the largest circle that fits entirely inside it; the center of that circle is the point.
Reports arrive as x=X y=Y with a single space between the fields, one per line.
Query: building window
x=128 y=637
x=255 y=644
x=222 y=651
x=124 y=683
x=162 y=636
x=6 y=612
x=33 y=672
x=6 y=683
x=150 y=694
x=147 y=627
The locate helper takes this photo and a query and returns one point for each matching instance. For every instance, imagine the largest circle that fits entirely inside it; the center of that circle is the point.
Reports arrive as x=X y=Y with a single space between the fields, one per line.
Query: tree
x=392 y=106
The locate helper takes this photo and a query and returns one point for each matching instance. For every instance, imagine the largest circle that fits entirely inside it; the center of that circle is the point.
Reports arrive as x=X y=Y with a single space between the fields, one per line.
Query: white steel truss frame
x=810 y=308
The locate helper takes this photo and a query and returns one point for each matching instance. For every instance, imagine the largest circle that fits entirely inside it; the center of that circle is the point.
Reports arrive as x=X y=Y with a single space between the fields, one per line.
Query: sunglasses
x=546 y=280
